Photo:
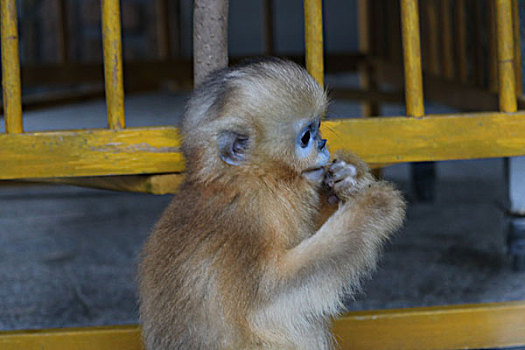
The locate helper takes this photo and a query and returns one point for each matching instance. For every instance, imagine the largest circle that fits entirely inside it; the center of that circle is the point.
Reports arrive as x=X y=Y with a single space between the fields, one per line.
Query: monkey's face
x=310 y=150
x=257 y=118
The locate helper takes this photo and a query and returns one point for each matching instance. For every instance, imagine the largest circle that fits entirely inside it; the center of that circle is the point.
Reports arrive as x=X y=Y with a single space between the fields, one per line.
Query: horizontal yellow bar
x=434 y=328
x=154 y=184
x=93 y=338
x=443 y=327
x=430 y=138
x=313 y=25
x=156 y=150
x=112 y=43
x=90 y=153
x=12 y=97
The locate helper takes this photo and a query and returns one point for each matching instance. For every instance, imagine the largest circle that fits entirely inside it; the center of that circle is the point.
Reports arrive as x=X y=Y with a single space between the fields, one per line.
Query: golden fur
x=254 y=256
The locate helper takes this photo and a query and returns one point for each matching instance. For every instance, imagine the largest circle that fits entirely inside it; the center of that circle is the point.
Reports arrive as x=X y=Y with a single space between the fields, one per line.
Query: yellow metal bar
x=433 y=328
x=517 y=46
x=111 y=37
x=429 y=138
x=156 y=149
x=96 y=152
x=412 y=58
x=154 y=184
x=313 y=25
x=477 y=326
x=11 y=68
x=94 y=338
x=505 y=42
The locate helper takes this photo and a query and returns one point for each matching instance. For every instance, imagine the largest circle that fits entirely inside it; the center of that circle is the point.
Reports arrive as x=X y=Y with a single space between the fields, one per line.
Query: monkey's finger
x=348 y=171
x=344 y=185
x=336 y=165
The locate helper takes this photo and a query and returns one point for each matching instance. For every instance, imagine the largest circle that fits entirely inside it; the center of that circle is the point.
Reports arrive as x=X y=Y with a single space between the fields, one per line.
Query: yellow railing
x=11 y=89
x=156 y=150
x=134 y=151
x=112 y=42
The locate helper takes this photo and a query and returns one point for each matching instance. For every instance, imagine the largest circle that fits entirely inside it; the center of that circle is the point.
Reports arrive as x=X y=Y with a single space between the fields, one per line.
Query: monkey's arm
x=349 y=241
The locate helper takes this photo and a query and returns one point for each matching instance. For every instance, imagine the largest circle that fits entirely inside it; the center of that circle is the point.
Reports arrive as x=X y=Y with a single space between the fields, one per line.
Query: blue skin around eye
x=304 y=151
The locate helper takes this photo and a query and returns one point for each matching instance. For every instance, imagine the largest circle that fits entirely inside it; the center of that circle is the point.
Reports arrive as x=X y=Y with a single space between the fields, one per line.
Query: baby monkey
x=266 y=234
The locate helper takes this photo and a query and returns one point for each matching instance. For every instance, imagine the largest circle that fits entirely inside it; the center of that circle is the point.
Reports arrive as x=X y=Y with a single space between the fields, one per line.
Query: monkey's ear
x=232 y=147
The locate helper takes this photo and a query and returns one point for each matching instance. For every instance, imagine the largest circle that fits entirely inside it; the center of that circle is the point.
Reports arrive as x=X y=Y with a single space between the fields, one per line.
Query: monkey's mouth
x=314 y=174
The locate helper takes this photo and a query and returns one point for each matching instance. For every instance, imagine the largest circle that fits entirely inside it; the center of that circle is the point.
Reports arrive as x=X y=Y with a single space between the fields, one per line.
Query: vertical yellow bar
x=412 y=58
x=111 y=37
x=505 y=47
x=517 y=46
x=313 y=31
x=11 y=68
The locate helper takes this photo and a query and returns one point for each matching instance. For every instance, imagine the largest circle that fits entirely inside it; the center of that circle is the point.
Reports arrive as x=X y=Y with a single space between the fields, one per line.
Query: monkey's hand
x=345 y=178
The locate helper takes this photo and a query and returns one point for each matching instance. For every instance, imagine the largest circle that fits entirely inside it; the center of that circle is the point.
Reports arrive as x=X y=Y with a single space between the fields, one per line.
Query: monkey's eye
x=305 y=139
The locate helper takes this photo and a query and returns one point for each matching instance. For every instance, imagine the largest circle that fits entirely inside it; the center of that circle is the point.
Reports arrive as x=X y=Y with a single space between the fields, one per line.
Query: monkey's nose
x=321 y=144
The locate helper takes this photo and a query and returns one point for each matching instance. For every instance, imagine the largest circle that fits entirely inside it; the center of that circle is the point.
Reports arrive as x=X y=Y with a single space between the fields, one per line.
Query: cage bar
x=412 y=58
x=11 y=88
x=111 y=37
x=313 y=25
x=517 y=46
x=505 y=48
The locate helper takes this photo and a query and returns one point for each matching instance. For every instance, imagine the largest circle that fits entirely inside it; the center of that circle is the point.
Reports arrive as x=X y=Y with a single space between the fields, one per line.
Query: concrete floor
x=68 y=255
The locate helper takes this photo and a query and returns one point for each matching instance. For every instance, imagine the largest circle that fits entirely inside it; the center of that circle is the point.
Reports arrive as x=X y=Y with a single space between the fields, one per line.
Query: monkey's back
x=198 y=275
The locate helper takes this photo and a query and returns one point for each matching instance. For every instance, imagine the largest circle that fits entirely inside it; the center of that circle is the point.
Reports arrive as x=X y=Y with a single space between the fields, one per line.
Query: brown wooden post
x=210 y=37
